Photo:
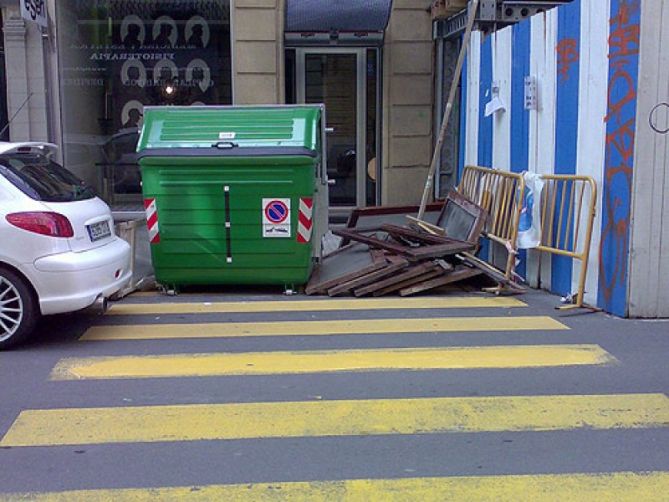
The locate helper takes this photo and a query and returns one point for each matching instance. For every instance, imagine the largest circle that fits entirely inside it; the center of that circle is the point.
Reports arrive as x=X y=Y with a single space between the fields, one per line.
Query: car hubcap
x=11 y=309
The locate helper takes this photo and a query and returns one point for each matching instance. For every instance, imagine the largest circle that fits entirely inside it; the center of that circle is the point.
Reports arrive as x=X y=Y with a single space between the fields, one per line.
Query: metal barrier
x=566 y=230
x=567 y=214
x=498 y=192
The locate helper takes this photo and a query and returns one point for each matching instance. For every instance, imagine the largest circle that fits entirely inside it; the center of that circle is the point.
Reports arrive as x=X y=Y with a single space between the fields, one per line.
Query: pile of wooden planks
x=383 y=258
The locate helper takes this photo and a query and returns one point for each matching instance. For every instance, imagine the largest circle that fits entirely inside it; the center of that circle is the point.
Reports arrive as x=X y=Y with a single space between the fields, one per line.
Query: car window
x=42 y=179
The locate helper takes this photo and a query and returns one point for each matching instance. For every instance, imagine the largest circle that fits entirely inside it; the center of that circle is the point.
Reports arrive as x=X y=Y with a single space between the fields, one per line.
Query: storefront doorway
x=346 y=81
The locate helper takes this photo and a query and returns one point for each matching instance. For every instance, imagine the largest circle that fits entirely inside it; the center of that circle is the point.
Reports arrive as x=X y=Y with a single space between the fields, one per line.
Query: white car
x=58 y=250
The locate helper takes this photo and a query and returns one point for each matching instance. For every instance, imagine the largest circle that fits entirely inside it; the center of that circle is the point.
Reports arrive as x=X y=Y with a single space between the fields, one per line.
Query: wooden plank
x=460 y=274
x=398 y=249
x=490 y=271
x=423 y=237
x=412 y=271
x=413 y=254
x=394 y=266
x=439 y=251
x=410 y=282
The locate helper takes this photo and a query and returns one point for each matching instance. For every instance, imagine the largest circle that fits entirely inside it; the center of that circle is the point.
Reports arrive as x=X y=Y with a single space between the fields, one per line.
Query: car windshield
x=42 y=179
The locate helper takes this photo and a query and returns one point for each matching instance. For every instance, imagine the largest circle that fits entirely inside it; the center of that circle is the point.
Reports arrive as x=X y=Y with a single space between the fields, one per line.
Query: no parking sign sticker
x=276 y=218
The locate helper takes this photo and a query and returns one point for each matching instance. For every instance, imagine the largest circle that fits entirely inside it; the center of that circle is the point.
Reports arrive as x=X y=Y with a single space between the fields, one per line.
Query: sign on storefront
x=34 y=10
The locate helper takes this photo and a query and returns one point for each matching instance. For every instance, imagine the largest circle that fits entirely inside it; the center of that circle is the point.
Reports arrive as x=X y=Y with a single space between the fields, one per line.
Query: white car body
x=66 y=274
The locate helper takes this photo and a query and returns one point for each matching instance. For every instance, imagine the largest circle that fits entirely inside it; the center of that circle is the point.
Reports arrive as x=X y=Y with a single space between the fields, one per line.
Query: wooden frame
x=477 y=213
x=448 y=247
x=359 y=213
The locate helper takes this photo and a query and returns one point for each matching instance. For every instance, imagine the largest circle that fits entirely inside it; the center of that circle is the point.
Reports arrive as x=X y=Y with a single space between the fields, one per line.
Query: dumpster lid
x=230 y=131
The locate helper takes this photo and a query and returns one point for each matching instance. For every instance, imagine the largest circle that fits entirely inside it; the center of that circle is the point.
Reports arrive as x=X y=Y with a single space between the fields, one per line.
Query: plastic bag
x=529 y=226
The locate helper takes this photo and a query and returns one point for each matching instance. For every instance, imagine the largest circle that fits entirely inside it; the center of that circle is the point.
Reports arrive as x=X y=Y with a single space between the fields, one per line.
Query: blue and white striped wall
x=568 y=51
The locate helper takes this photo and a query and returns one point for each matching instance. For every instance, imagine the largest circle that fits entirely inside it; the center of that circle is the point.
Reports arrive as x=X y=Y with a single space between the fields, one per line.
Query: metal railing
x=498 y=192
x=568 y=204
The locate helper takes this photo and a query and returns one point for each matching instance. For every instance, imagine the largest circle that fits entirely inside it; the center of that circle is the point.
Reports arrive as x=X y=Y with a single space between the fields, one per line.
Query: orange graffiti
x=567 y=55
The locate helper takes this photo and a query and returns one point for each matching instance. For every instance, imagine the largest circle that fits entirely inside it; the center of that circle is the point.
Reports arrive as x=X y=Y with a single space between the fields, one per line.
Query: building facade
x=82 y=81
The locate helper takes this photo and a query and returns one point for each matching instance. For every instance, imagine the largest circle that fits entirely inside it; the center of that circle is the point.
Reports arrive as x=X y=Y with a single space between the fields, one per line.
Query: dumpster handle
x=225 y=145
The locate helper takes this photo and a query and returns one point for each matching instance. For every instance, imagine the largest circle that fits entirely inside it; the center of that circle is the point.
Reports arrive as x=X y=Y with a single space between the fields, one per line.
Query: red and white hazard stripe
x=152 y=220
x=305 y=220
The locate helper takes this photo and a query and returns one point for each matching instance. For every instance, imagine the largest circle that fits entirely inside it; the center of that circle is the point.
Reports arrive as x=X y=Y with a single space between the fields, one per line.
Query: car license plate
x=99 y=230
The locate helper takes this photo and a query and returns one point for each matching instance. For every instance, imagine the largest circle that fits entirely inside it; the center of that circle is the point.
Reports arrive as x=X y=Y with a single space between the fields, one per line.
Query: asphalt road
x=229 y=397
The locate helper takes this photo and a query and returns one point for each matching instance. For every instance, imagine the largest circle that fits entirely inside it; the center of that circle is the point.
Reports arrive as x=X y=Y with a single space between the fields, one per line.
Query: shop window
x=117 y=56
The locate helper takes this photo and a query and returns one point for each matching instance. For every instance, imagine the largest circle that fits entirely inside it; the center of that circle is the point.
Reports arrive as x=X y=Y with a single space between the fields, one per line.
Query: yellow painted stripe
x=297 y=328
x=78 y=426
x=315 y=305
x=618 y=487
x=268 y=363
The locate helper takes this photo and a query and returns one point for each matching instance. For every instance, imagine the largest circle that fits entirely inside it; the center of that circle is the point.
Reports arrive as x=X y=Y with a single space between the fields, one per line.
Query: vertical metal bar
x=553 y=206
x=228 y=224
x=439 y=110
x=579 y=215
x=379 y=125
x=505 y=208
x=585 y=257
x=563 y=189
x=513 y=197
x=518 y=206
x=361 y=126
x=569 y=235
x=544 y=209
x=495 y=189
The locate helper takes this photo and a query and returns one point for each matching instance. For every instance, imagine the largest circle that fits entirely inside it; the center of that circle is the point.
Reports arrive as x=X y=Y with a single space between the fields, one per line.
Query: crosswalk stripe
x=314 y=305
x=268 y=363
x=315 y=328
x=619 y=486
x=78 y=426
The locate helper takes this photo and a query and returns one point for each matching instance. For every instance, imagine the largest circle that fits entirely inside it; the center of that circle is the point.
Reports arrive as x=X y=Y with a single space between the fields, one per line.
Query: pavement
x=258 y=396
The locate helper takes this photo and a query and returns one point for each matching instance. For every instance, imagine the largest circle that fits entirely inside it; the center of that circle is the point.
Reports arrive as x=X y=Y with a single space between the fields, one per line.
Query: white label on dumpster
x=227 y=135
x=276 y=218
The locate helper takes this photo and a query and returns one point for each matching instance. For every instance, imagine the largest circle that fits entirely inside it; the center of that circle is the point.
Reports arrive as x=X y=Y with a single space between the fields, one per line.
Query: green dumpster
x=233 y=194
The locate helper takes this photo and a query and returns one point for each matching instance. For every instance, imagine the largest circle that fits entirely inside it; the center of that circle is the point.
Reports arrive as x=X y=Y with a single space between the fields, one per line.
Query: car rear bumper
x=68 y=282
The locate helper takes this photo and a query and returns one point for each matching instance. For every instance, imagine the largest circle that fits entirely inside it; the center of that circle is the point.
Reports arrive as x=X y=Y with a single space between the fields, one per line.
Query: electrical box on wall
x=531 y=93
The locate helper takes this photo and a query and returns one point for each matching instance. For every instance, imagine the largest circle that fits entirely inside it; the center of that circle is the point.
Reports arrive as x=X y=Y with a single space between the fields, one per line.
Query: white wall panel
x=473 y=84
x=543 y=67
x=593 y=90
x=502 y=63
x=649 y=263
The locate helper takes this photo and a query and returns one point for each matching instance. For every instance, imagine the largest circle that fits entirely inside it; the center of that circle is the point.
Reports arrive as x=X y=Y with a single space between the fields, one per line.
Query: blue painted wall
x=566 y=130
x=485 y=123
x=520 y=118
x=624 y=41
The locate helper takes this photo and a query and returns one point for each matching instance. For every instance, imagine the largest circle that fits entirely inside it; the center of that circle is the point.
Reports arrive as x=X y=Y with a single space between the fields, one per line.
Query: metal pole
x=473 y=7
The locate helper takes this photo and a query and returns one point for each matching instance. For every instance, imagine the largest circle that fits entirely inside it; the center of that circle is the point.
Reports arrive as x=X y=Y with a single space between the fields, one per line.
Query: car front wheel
x=18 y=309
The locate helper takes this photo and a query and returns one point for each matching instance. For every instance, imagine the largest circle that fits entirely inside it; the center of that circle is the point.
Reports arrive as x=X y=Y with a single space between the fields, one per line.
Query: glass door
x=340 y=79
